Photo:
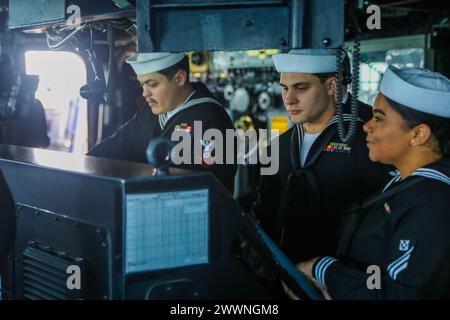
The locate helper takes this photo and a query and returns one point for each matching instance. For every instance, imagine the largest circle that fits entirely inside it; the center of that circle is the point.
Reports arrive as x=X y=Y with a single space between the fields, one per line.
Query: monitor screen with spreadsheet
x=166 y=230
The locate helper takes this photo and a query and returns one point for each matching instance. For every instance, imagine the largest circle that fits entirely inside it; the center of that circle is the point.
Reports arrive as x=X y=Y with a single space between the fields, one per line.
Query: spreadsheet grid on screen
x=166 y=230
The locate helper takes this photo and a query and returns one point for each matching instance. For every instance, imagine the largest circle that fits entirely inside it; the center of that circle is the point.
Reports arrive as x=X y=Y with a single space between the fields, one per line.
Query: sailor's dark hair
x=170 y=72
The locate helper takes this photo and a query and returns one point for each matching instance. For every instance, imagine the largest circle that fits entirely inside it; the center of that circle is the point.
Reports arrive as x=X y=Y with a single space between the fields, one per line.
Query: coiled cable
x=348 y=136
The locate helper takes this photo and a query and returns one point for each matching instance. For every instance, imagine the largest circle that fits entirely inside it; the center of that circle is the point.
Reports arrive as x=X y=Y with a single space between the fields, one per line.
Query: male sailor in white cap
x=319 y=176
x=403 y=230
x=174 y=104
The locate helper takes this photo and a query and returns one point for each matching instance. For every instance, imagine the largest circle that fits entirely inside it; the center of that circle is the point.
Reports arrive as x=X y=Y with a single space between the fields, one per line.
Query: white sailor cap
x=418 y=89
x=306 y=61
x=143 y=63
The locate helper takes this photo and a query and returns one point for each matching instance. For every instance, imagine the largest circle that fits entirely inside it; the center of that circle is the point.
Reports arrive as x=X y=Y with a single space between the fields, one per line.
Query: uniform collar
x=439 y=170
x=163 y=118
x=173 y=112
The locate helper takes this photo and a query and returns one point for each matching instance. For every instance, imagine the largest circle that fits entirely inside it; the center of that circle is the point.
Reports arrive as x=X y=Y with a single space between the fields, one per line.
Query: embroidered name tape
x=338 y=147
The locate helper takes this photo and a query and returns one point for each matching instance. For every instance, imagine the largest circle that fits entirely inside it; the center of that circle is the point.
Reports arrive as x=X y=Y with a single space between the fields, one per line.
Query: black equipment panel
x=71 y=209
x=207 y=25
x=47 y=244
x=171 y=25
